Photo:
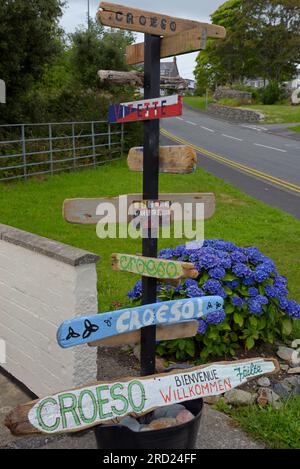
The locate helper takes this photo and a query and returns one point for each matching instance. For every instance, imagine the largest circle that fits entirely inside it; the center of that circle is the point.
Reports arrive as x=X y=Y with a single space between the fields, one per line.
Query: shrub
x=255 y=300
x=271 y=93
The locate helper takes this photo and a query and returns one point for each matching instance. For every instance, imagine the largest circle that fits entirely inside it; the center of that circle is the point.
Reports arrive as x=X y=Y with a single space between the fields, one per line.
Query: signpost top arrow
x=157 y=24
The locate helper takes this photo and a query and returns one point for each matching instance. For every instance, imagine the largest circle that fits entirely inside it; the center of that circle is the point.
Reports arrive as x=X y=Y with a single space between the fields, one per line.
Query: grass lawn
x=198 y=102
x=36 y=206
x=278 y=429
x=278 y=113
x=295 y=129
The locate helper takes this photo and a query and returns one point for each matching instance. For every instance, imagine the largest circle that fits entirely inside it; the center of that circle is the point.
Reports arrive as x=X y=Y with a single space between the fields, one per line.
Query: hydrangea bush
x=256 y=304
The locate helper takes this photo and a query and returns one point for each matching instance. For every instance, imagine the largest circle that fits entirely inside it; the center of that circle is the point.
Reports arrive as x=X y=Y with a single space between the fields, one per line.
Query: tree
x=29 y=40
x=263 y=40
x=96 y=49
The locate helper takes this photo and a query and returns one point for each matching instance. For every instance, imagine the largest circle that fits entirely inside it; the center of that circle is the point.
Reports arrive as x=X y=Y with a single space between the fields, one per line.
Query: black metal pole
x=150 y=192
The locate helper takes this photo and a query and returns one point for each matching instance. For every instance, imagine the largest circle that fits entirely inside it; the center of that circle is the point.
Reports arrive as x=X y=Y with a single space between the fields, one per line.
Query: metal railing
x=35 y=149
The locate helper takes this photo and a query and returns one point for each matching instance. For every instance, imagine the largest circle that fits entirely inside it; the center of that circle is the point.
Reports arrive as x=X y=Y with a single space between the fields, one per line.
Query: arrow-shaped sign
x=82 y=330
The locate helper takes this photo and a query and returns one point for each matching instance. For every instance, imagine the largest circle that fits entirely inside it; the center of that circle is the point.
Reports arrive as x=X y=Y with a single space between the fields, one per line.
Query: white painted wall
x=37 y=293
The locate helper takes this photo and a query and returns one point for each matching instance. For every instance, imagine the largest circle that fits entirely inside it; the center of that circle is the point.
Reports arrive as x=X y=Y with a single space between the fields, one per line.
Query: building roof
x=169 y=68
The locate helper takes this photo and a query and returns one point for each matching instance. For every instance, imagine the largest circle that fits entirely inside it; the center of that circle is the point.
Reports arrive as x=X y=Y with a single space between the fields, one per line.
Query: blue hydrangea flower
x=233 y=284
x=255 y=306
x=212 y=286
x=189 y=282
x=202 y=327
x=217 y=273
x=237 y=301
x=271 y=291
x=283 y=303
x=216 y=317
x=242 y=270
x=293 y=309
x=239 y=257
x=260 y=275
x=263 y=300
x=248 y=282
x=166 y=254
x=194 y=292
x=253 y=291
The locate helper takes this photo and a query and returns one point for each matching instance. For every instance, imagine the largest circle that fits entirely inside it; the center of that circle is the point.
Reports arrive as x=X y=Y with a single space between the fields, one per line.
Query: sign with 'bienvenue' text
x=76 y=410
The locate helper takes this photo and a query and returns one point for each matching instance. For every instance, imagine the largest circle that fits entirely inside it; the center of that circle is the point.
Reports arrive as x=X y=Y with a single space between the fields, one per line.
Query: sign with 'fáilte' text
x=82 y=330
x=75 y=410
x=174 y=159
x=155 y=268
x=147 y=109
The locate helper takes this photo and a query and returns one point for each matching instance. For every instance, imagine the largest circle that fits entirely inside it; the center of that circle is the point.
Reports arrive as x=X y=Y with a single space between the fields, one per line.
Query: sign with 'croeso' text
x=147 y=109
x=82 y=330
x=75 y=410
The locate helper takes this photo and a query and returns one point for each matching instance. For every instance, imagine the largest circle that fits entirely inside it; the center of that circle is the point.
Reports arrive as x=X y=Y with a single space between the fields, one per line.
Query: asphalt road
x=263 y=165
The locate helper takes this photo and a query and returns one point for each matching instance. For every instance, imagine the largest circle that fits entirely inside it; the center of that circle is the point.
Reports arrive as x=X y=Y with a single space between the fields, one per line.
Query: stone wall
x=226 y=93
x=43 y=283
x=235 y=114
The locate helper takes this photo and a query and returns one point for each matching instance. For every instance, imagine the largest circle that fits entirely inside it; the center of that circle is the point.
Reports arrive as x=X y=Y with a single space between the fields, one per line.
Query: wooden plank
x=108 y=402
x=185 y=42
x=134 y=19
x=146 y=109
x=183 y=330
x=137 y=79
x=174 y=159
x=86 y=211
x=154 y=268
x=83 y=330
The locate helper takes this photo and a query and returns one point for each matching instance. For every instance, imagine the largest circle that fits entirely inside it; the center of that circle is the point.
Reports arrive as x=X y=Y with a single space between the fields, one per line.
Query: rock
x=162 y=423
x=267 y=396
x=295 y=98
x=294 y=371
x=285 y=353
x=211 y=400
x=184 y=416
x=235 y=114
x=145 y=428
x=169 y=411
x=284 y=367
x=295 y=343
x=239 y=397
x=282 y=390
x=264 y=382
x=130 y=423
x=160 y=365
x=137 y=351
x=296 y=357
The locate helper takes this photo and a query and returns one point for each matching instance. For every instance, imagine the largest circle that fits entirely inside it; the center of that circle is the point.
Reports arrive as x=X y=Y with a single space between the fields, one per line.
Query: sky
x=76 y=15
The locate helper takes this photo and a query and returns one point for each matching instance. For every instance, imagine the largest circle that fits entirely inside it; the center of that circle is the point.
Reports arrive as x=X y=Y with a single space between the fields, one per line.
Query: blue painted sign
x=83 y=330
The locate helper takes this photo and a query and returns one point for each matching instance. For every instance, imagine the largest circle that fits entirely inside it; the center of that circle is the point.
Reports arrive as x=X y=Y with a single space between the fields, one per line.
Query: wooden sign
x=155 y=268
x=133 y=19
x=147 y=109
x=183 y=330
x=83 y=330
x=109 y=402
x=192 y=40
x=175 y=159
x=136 y=79
x=86 y=211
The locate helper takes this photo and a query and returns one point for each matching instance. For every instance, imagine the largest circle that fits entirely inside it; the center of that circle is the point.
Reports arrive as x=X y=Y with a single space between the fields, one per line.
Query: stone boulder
x=295 y=98
x=226 y=93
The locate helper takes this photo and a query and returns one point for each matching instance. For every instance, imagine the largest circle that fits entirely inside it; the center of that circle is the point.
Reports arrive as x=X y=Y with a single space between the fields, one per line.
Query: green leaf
x=238 y=319
x=229 y=277
x=228 y=291
x=250 y=343
x=253 y=321
x=229 y=309
x=287 y=326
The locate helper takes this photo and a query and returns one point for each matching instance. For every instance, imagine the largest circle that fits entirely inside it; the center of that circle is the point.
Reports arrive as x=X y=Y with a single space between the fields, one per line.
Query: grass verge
x=277 y=429
x=198 y=102
x=295 y=129
x=36 y=206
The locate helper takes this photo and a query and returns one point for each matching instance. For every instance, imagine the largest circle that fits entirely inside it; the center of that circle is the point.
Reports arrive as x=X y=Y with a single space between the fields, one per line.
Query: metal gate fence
x=34 y=149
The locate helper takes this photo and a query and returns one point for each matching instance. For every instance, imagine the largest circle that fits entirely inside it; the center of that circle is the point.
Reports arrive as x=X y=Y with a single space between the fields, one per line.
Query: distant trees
x=29 y=40
x=263 y=40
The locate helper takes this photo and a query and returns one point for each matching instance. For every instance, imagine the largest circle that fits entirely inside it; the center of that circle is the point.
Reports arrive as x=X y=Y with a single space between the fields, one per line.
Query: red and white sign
x=156 y=108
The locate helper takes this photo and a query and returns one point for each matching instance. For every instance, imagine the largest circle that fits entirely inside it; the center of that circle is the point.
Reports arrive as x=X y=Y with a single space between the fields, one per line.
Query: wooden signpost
x=174 y=159
x=109 y=402
x=147 y=109
x=85 y=211
x=182 y=330
x=192 y=40
x=133 y=19
x=152 y=267
x=83 y=330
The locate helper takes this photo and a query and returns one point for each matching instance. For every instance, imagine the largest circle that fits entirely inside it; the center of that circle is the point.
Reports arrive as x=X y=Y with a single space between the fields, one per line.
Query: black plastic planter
x=180 y=437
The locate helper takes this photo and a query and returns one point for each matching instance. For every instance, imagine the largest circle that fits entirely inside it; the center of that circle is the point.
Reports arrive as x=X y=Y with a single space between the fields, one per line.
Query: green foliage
x=233 y=102
x=255 y=29
x=29 y=41
x=271 y=93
